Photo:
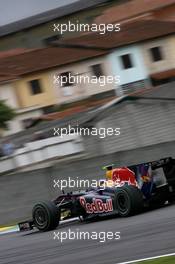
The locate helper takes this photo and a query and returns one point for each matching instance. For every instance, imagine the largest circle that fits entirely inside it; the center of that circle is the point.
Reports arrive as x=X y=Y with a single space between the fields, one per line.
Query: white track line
x=145 y=259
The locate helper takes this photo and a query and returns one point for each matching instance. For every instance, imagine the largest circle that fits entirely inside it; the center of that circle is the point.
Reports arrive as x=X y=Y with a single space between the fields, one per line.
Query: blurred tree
x=6 y=114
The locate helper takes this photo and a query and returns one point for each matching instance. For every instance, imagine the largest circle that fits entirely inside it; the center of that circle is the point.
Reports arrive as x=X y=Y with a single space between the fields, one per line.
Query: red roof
x=141 y=28
x=13 y=52
x=139 y=21
x=131 y=9
x=76 y=109
x=41 y=59
x=163 y=75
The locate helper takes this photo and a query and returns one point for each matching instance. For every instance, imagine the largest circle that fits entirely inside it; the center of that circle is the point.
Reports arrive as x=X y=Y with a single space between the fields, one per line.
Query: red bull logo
x=97 y=205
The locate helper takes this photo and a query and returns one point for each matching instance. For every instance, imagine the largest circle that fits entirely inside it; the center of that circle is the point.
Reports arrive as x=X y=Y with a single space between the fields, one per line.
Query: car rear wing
x=168 y=166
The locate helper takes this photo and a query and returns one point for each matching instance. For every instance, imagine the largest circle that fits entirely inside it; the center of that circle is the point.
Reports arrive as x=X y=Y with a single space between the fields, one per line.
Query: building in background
x=23 y=115
x=159 y=58
x=86 y=85
x=129 y=64
x=141 y=54
x=29 y=84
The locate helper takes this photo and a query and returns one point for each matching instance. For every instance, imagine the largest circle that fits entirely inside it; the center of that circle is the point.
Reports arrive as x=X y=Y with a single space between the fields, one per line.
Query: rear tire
x=46 y=216
x=129 y=200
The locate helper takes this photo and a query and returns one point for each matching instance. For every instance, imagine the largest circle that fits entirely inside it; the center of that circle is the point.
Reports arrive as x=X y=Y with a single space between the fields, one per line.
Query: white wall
x=168 y=55
x=81 y=90
x=7 y=93
x=136 y=73
x=42 y=150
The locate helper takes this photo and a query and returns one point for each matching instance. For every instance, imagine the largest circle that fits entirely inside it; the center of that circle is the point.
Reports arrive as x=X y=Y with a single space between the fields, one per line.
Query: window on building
x=126 y=61
x=97 y=70
x=35 y=87
x=66 y=82
x=156 y=53
x=66 y=79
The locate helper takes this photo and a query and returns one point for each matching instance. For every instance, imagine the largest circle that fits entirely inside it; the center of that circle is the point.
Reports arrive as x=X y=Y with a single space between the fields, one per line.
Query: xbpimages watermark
x=101 y=236
x=83 y=184
x=75 y=79
x=101 y=132
x=77 y=183
x=82 y=27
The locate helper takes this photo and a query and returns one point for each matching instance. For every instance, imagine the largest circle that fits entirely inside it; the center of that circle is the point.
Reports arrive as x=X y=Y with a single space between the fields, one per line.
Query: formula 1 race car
x=125 y=192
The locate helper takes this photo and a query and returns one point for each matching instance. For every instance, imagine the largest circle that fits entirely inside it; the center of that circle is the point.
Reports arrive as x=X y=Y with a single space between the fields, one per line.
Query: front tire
x=129 y=200
x=45 y=216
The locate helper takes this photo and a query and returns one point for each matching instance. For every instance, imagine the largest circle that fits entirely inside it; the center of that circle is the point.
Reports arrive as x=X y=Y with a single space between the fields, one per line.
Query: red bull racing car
x=124 y=192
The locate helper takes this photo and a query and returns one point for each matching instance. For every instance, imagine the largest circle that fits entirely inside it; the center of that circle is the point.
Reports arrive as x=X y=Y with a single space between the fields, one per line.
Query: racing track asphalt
x=145 y=235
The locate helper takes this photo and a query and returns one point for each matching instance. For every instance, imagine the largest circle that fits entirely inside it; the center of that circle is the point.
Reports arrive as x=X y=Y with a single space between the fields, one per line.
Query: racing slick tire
x=129 y=200
x=46 y=216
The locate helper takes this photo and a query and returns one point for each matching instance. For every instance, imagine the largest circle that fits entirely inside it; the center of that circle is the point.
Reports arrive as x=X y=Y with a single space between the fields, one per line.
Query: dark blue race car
x=126 y=191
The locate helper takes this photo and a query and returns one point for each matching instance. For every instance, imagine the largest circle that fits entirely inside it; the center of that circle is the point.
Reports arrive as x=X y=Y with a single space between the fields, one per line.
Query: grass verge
x=163 y=260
